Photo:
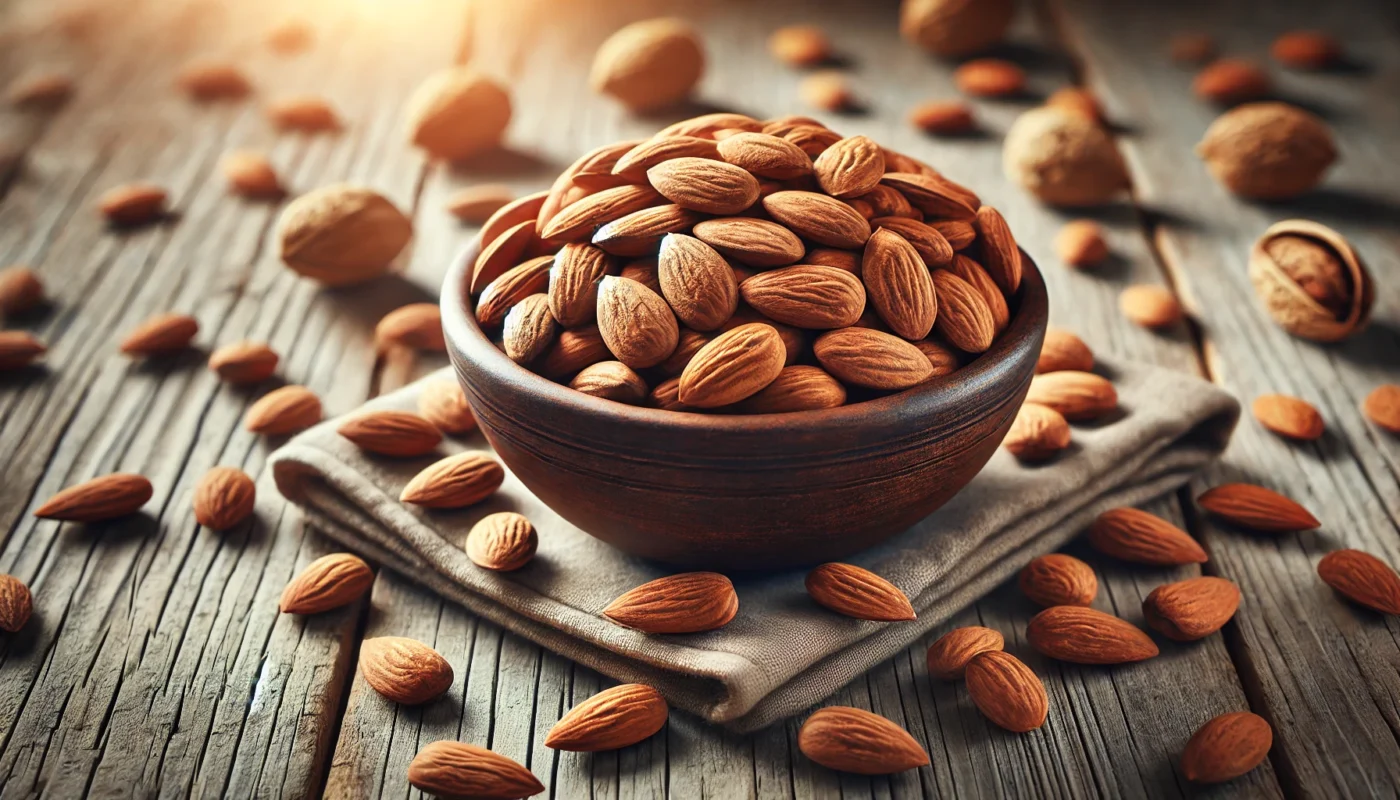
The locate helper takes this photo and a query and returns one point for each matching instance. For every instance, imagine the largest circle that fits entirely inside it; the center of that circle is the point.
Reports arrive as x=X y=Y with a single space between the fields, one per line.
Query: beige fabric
x=782 y=653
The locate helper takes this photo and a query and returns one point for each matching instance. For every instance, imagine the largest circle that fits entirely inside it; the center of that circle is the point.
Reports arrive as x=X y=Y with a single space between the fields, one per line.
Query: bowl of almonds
x=743 y=344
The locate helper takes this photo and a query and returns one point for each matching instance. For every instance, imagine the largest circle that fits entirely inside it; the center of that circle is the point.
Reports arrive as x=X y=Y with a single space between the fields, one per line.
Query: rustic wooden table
x=156 y=662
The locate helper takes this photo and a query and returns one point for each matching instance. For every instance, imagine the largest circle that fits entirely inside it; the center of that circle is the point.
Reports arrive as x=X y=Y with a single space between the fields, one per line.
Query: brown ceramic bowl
x=745 y=492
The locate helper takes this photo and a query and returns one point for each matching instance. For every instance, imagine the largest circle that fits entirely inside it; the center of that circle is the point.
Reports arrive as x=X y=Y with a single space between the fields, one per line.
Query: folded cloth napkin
x=781 y=653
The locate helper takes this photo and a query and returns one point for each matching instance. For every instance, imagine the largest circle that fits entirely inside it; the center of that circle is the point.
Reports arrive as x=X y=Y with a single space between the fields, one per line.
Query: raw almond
x=708 y=124
x=850 y=167
x=1006 y=691
x=244 y=363
x=935 y=197
x=1228 y=81
x=948 y=656
x=597 y=169
x=21 y=290
x=1289 y=417
x=1077 y=395
x=391 y=433
x=667 y=395
x=1000 y=255
x=284 y=410
x=852 y=740
x=416 y=325
x=944 y=359
x=810 y=297
x=457 y=481
x=766 y=156
x=687 y=346
x=289 y=36
x=1085 y=636
x=1037 y=434
x=822 y=219
x=1363 y=579
x=1191 y=609
x=797 y=388
x=633 y=164
x=844 y=260
x=799 y=45
x=649 y=64
x=132 y=204
x=572 y=351
x=899 y=285
x=1081 y=244
x=223 y=498
x=732 y=366
x=502 y=542
x=696 y=281
x=525 y=209
x=457 y=769
x=404 y=670
x=1062 y=351
x=640 y=233
x=528 y=330
x=573 y=283
x=1257 y=508
x=342 y=234
x=514 y=285
x=612 y=719
x=501 y=253
x=814 y=139
x=828 y=90
x=961 y=234
x=871 y=359
x=18 y=349
x=478 y=203
x=690 y=602
x=579 y=221
x=926 y=240
x=701 y=184
x=637 y=325
x=643 y=271
x=102 y=498
x=250 y=174
x=859 y=593
x=611 y=380
x=1150 y=306
x=444 y=404
x=457 y=113
x=1382 y=407
x=979 y=279
x=305 y=113
x=943 y=117
x=887 y=202
x=329 y=582
x=990 y=77
x=756 y=242
x=1134 y=535
x=212 y=80
x=1056 y=579
x=1227 y=747
x=964 y=318
x=16 y=604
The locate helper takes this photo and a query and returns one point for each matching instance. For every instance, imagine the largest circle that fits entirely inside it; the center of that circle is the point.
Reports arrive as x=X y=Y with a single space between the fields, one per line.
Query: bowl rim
x=940 y=395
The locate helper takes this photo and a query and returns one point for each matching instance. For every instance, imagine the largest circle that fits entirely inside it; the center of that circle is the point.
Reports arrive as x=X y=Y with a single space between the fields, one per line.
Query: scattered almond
x=611 y=380
x=163 y=333
x=132 y=204
x=1363 y=579
x=1134 y=535
x=21 y=291
x=1289 y=417
x=1058 y=580
x=97 y=500
x=512 y=287
x=1227 y=747
x=502 y=542
x=859 y=593
x=391 y=433
x=43 y=90
x=478 y=203
x=244 y=363
x=330 y=581
x=1081 y=243
x=990 y=77
x=404 y=670
x=206 y=80
x=853 y=740
x=943 y=117
x=1382 y=407
x=1037 y=434
x=1153 y=307
x=1076 y=395
x=416 y=325
x=19 y=349
x=16 y=604
x=1257 y=508
x=457 y=113
x=223 y=498
x=250 y=174
x=1006 y=691
x=456 y=481
x=1228 y=81
x=949 y=654
x=1306 y=50
x=612 y=719
x=1063 y=351
x=342 y=234
x=799 y=45
x=1085 y=636
x=284 y=410
x=305 y=113
x=1191 y=609
x=828 y=91
x=649 y=64
x=690 y=602
x=444 y=404
x=457 y=769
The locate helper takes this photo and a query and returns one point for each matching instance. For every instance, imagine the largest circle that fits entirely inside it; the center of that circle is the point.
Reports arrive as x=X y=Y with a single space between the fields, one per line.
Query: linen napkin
x=782 y=653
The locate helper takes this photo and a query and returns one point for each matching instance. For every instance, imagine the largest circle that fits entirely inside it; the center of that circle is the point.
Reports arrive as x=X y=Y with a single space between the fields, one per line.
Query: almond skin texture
x=822 y=219
x=649 y=64
x=501 y=253
x=701 y=184
x=391 y=433
x=1006 y=691
x=502 y=542
x=981 y=280
x=1085 y=636
x=611 y=380
x=1191 y=609
x=16 y=604
x=766 y=156
x=633 y=164
x=635 y=322
x=244 y=363
x=852 y=740
x=690 y=602
x=1037 y=434
x=513 y=286
x=457 y=113
x=416 y=325
x=457 y=769
x=899 y=285
x=18 y=349
x=329 y=582
x=250 y=174
x=444 y=404
x=944 y=359
x=827 y=90
x=528 y=330
x=954 y=29
x=580 y=220
x=1142 y=538
x=404 y=670
x=850 y=167
x=457 y=481
x=964 y=318
x=1227 y=747
x=612 y=719
x=1076 y=395
x=1081 y=243
x=1058 y=580
x=1062 y=351
x=1257 y=508
x=931 y=246
x=1152 y=307
x=797 y=388
x=756 y=242
x=282 y=411
x=342 y=234
x=1063 y=158
x=1363 y=579
x=696 y=281
x=934 y=196
x=948 y=656
x=733 y=366
x=223 y=498
x=709 y=124
x=103 y=498
x=871 y=359
x=573 y=283
x=478 y=203
x=805 y=296
x=990 y=77
x=1382 y=407
x=163 y=333
x=1000 y=255
x=1289 y=417
x=132 y=204
x=859 y=593
x=640 y=233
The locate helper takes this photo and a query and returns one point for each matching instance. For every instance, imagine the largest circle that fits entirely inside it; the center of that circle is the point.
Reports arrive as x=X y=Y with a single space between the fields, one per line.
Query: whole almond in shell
x=1363 y=579
x=1085 y=636
x=756 y=242
x=1078 y=100
x=1062 y=351
x=477 y=203
x=1152 y=307
x=859 y=593
x=953 y=29
x=1382 y=407
x=687 y=346
x=964 y=318
x=634 y=163
x=797 y=388
x=1081 y=243
x=649 y=64
x=927 y=241
x=853 y=740
x=733 y=366
x=1290 y=417
x=690 y=602
x=949 y=654
x=612 y=719
x=765 y=155
x=611 y=380
x=457 y=481
x=1227 y=747
x=284 y=410
x=1076 y=395
x=16 y=604
x=573 y=283
x=1257 y=508
x=899 y=285
x=1063 y=158
x=580 y=220
x=404 y=670
x=342 y=234
x=250 y=174
x=701 y=184
x=820 y=218
x=458 y=769
x=1057 y=579
x=640 y=233
x=329 y=582
x=1268 y=151
x=99 y=499
x=1191 y=609
x=223 y=498
x=244 y=363
x=444 y=404
x=1006 y=691
x=637 y=325
x=809 y=297
x=19 y=349
x=1134 y=535
x=850 y=167
x=501 y=252
x=502 y=542
x=1037 y=434
x=21 y=290
x=696 y=281
x=513 y=286
x=457 y=113
x=388 y=432
x=1311 y=281
x=304 y=112
x=871 y=359
x=132 y=204
x=416 y=325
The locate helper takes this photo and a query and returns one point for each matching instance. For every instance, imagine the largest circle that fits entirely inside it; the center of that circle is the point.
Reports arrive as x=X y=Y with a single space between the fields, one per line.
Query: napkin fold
x=782 y=653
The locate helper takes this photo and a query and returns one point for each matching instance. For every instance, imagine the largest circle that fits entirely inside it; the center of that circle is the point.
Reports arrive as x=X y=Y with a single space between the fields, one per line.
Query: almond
x=1257 y=508
x=1227 y=747
x=850 y=167
x=43 y=90
x=1306 y=50
x=797 y=388
x=305 y=113
x=444 y=404
x=766 y=156
x=1063 y=351
x=1081 y=243
x=733 y=366
x=1037 y=434
x=887 y=202
x=649 y=64
x=1085 y=636
x=690 y=602
x=163 y=333
x=1058 y=580
x=948 y=656
x=342 y=234
x=964 y=318
x=844 y=260
x=287 y=409
x=250 y=174
x=981 y=280
x=1191 y=609
x=687 y=346
x=478 y=203
x=926 y=240
x=811 y=297
x=1150 y=306
x=871 y=359
x=852 y=740
x=572 y=351
x=501 y=253
x=1006 y=691
x=502 y=542
x=961 y=234
x=635 y=322
x=16 y=604
x=1076 y=395
x=990 y=77
x=416 y=325
x=573 y=283
x=579 y=221
x=212 y=80
x=799 y=45
x=102 y=498
x=528 y=330
x=756 y=242
x=525 y=209
x=18 y=349
x=935 y=197
x=329 y=582
x=828 y=90
x=457 y=481
x=1382 y=407
x=1289 y=417
x=701 y=184
x=457 y=769
x=943 y=117
x=404 y=670
x=391 y=433
x=611 y=380
x=457 y=113
x=597 y=169
x=898 y=284
x=132 y=204
x=707 y=124
x=639 y=233
x=634 y=163
x=1363 y=579
x=1228 y=81
x=696 y=281
x=513 y=286
x=667 y=395
x=244 y=363
x=21 y=290
x=814 y=139
x=859 y=593
x=822 y=219
x=612 y=719
x=1000 y=255
x=1142 y=538
x=944 y=359
x=223 y=498
x=643 y=271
